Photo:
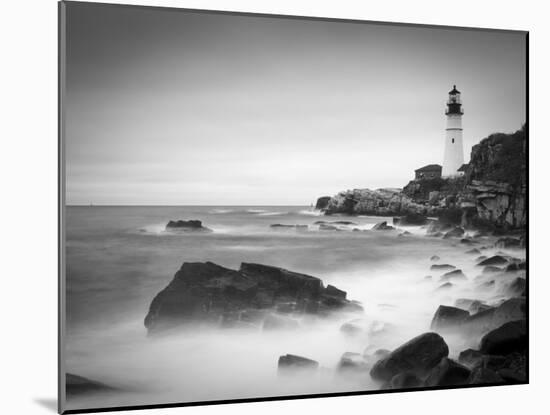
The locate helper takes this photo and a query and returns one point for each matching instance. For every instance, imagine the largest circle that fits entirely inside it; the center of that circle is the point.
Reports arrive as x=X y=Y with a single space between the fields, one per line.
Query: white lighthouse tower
x=454 y=153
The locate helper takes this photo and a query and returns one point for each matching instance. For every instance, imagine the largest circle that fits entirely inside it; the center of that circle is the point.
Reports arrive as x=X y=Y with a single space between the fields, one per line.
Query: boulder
x=335 y=292
x=447 y=317
x=508 y=338
x=446 y=286
x=473 y=306
x=77 y=385
x=290 y=363
x=204 y=292
x=480 y=258
x=442 y=267
x=448 y=373
x=510 y=310
x=473 y=251
x=382 y=226
x=417 y=356
x=457 y=232
x=494 y=260
x=516 y=267
x=434 y=258
x=186 y=225
x=491 y=269
x=405 y=381
x=455 y=275
x=322 y=202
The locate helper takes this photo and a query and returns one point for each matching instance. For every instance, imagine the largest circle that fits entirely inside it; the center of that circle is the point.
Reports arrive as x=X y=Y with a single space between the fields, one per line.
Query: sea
x=119 y=257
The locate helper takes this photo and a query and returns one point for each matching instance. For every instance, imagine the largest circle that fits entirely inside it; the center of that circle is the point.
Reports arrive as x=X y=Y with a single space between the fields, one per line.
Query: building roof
x=429 y=167
x=454 y=91
x=464 y=167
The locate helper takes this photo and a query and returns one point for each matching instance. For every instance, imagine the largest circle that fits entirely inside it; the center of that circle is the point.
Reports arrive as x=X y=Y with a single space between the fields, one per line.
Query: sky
x=178 y=108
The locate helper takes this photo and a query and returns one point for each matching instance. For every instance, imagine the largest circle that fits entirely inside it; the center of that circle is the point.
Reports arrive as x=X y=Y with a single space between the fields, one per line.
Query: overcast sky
x=171 y=107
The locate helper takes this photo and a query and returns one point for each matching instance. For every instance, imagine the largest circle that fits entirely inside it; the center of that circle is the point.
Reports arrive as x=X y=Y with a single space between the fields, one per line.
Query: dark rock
x=284 y=226
x=494 y=260
x=457 y=232
x=417 y=356
x=186 y=225
x=516 y=266
x=203 y=292
x=467 y=241
x=434 y=258
x=77 y=385
x=441 y=267
x=473 y=251
x=382 y=226
x=292 y=362
x=322 y=202
x=510 y=310
x=334 y=222
x=447 y=317
x=457 y=274
x=508 y=338
x=405 y=381
x=507 y=243
x=448 y=373
x=481 y=376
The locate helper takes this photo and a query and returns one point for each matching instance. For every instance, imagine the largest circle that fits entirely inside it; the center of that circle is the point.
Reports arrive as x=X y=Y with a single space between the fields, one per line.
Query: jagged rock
x=455 y=275
x=508 y=338
x=322 y=202
x=457 y=232
x=494 y=260
x=382 y=226
x=203 y=292
x=290 y=363
x=77 y=385
x=448 y=373
x=434 y=258
x=186 y=225
x=442 y=267
x=447 y=317
x=417 y=356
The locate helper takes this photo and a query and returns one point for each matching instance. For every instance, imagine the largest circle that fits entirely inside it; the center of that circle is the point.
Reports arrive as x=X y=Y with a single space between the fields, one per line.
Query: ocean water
x=119 y=258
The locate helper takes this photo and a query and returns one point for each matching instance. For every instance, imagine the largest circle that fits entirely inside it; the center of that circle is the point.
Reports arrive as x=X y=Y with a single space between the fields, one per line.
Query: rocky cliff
x=492 y=193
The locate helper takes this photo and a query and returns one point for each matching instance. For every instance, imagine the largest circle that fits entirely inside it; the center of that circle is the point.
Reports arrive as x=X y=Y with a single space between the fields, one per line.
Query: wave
x=310 y=212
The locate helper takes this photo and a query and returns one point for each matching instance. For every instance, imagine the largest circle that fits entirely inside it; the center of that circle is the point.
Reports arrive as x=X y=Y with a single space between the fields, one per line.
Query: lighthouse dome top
x=454 y=91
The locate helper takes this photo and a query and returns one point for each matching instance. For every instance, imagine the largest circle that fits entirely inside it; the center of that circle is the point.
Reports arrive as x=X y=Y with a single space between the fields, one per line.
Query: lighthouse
x=454 y=154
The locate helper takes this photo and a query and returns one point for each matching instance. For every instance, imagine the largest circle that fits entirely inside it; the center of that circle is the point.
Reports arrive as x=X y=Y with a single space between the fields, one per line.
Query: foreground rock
x=448 y=373
x=418 y=356
x=78 y=385
x=508 y=338
x=209 y=293
x=292 y=363
x=186 y=225
x=448 y=317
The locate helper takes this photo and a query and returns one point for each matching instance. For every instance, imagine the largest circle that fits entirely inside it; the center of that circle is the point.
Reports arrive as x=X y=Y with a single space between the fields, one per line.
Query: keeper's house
x=431 y=171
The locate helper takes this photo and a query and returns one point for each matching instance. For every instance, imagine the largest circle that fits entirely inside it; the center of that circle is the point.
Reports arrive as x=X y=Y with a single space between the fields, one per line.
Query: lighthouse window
x=453 y=140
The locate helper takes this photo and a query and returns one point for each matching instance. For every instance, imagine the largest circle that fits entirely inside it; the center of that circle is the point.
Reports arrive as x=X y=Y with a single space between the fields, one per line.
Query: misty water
x=119 y=258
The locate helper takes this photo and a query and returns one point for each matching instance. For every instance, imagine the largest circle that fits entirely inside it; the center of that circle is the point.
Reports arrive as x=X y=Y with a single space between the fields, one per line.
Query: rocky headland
x=490 y=195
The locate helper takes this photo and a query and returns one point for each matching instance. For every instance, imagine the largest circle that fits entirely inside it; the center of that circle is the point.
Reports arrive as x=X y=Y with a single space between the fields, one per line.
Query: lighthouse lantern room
x=454 y=154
